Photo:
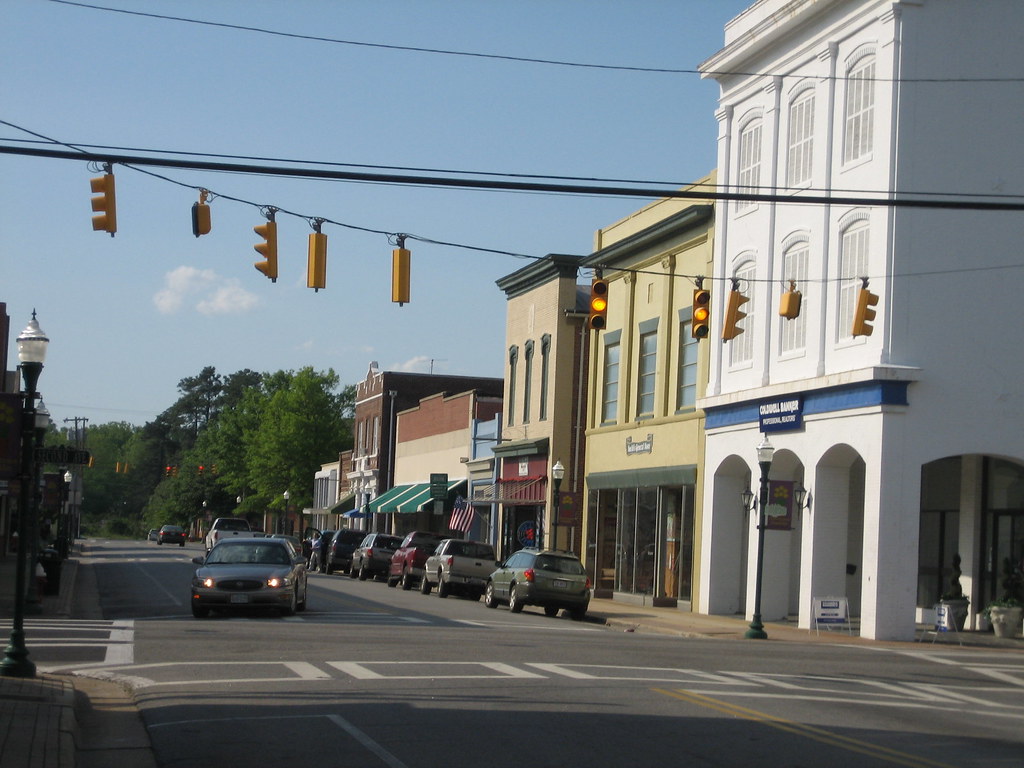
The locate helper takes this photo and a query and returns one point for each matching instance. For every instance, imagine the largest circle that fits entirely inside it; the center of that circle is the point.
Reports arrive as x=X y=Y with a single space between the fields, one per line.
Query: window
x=853 y=265
x=686 y=391
x=741 y=349
x=513 y=358
x=545 y=361
x=610 y=396
x=794 y=267
x=528 y=382
x=801 y=139
x=749 y=161
x=376 y=435
x=860 y=110
x=647 y=373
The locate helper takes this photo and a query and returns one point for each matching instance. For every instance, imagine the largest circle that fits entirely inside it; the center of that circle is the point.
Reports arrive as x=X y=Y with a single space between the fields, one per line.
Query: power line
x=527 y=59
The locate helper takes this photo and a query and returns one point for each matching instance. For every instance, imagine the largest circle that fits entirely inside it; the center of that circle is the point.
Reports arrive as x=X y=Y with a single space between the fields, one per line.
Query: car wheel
x=362 y=571
x=181 y=543
x=329 y=567
x=489 y=599
x=425 y=585
x=443 y=590
x=515 y=604
x=550 y=610
x=406 y=580
x=578 y=614
x=289 y=610
x=301 y=606
x=159 y=542
x=199 y=611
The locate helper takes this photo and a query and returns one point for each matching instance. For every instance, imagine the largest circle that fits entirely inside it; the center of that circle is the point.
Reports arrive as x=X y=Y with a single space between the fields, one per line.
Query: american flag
x=462 y=515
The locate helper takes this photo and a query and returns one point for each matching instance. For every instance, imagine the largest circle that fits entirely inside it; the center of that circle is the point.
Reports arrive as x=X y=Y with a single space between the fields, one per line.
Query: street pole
x=557 y=473
x=765 y=452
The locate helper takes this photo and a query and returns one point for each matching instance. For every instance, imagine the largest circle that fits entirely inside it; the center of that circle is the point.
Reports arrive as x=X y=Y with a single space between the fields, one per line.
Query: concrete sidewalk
x=64 y=721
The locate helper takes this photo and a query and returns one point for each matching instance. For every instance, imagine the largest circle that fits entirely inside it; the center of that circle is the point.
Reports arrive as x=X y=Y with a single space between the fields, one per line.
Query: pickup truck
x=459 y=566
x=407 y=562
x=228 y=527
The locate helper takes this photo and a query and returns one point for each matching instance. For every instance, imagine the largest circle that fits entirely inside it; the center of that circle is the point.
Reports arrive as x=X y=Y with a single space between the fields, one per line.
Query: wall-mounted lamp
x=749 y=502
x=802 y=497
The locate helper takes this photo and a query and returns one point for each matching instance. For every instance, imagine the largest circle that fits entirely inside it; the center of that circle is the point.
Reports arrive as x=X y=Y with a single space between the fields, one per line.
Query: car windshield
x=171 y=529
x=388 y=542
x=558 y=564
x=245 y=554
x=233 y=525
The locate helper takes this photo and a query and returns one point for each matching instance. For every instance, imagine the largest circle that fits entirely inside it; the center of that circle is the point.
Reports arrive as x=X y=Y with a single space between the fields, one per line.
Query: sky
x=130 y=316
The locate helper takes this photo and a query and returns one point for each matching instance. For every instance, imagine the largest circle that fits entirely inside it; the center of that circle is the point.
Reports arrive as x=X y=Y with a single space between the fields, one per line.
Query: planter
x=955 y=614
x=1006 y=621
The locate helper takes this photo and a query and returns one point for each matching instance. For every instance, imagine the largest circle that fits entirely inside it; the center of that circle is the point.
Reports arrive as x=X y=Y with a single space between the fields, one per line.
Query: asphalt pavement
x=67 y=721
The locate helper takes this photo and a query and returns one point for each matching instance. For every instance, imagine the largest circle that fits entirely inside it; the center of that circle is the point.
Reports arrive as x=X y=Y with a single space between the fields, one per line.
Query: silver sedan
x=248 y=573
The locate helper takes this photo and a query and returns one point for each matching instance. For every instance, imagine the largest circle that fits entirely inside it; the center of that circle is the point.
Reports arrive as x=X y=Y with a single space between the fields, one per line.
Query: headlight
x=277 y=583
x=208 y=583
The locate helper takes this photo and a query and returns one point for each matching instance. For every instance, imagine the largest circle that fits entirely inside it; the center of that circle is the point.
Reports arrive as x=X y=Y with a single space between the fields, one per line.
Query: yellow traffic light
x=104 y=203
x=789 y=303
x=201 y=215
x=316 y=265
x=864 y=314
x=400 y=265
x=598 y=319
x=268 y=248
x=733 y=314
x=700 y=325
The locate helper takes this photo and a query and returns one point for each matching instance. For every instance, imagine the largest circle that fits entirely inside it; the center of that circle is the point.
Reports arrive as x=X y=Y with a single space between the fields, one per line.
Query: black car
x=171 y=534
x=373 y=556
x=339 y=553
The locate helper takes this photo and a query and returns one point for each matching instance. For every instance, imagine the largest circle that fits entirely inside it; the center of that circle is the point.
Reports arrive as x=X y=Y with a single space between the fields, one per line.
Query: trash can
x=51 y=561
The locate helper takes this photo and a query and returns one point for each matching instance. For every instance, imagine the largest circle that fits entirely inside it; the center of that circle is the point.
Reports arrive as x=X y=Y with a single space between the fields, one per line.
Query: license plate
x=239 y=598
x=561 y=584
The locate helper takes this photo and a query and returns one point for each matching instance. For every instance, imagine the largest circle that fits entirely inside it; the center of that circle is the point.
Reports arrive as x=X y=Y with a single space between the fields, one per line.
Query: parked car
x=154 y=534
x=408 y=561
x=171 y=534
x=249 y=572
x=317 y=561
x=458 y=566
x=339 y=552
x=552 y=580
x=293 y=540
x=373 y=555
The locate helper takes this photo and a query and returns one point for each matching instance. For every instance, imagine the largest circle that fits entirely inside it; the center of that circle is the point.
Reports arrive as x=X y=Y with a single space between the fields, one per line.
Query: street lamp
x=64 y=521
x=284 y=517
x=42 y=423
x=557 y=473
x=765 y=452
x=31 y=353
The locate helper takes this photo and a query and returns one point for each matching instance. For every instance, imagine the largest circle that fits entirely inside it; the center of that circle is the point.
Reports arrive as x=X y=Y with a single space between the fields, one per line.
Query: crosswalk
x=89 y=642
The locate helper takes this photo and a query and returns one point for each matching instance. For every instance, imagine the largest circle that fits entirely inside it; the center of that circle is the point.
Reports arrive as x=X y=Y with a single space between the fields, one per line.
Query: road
x=374 y=676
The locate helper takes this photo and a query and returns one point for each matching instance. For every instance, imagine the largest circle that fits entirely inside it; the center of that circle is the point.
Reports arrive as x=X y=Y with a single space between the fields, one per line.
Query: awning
x=344 y=504
x=526 y=490
x=413 y=503
x=387 y=501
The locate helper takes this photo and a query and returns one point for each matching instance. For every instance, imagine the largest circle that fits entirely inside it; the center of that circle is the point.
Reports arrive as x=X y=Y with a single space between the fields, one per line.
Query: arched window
x=741 y=349
x=794 y=267
x=749 y=161
x=860 y=109
x=853 y=265
x=801 y=138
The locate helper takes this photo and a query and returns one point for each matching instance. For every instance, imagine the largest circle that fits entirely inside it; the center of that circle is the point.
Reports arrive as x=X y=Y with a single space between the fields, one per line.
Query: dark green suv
x=552 y=580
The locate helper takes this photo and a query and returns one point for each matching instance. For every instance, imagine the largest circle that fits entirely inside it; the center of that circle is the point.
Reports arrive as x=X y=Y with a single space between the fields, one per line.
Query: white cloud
x=420 y=363
x=216 y=295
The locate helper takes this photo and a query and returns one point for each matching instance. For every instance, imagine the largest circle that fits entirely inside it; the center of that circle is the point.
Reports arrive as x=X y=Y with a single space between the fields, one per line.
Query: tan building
x=644 y=432
x=545 y=399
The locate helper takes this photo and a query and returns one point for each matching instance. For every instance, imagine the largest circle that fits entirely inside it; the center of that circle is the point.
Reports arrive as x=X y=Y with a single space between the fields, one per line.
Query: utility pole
x=79 y=434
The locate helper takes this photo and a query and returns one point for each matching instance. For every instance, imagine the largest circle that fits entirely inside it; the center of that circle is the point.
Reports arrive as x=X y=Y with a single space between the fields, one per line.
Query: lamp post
x=765 y=452
x=41 y=424
x=284 y=517
x=557 y=473
x=31 y=352
x=63 y=522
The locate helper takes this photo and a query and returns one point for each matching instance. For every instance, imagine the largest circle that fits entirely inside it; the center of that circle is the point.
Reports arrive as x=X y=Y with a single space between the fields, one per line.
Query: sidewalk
x=62 y=721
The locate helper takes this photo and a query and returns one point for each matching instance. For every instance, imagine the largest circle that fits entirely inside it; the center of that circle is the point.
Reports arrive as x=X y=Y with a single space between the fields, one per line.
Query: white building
x=909 y=439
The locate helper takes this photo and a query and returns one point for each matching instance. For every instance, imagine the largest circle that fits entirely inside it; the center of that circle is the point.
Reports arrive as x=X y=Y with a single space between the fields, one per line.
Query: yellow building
x=644 y=433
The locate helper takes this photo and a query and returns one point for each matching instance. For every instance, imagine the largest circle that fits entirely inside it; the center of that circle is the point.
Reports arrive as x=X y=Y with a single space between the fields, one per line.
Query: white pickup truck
x=459 y=566
x=228 y=527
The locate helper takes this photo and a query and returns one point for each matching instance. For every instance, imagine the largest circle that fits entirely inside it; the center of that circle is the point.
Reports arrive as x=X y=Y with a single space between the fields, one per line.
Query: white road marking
x=361 y=670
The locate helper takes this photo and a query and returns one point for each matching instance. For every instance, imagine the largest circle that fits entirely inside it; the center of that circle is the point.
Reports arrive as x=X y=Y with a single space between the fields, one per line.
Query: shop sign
x=640 y=446
x=781 y=415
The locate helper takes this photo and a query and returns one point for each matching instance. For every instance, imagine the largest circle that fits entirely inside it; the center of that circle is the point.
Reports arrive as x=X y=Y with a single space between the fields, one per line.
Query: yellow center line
x=816 y=734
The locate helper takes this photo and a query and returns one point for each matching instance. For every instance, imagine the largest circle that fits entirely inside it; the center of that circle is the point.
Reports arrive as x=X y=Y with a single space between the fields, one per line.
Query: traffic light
x=700 y=325
x=167 y=471
x=268 y=248
x=598 y=319
x=316 y=266
x=733 y=314
x=201 y=215
x=864 y=314
x=789 y=303
x=400 y=265
x=201 y=469
x=104 y=203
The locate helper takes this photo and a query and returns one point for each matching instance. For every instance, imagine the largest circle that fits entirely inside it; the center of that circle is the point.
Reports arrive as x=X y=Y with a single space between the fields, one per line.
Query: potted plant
x=1006 y=613
x=954 y=601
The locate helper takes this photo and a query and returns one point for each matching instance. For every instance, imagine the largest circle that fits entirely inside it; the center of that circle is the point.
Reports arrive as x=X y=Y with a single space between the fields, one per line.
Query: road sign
x=439 y=486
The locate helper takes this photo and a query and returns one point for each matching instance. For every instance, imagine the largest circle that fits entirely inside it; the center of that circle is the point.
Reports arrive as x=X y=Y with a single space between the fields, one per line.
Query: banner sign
x=781 y=415
x=779 y=512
